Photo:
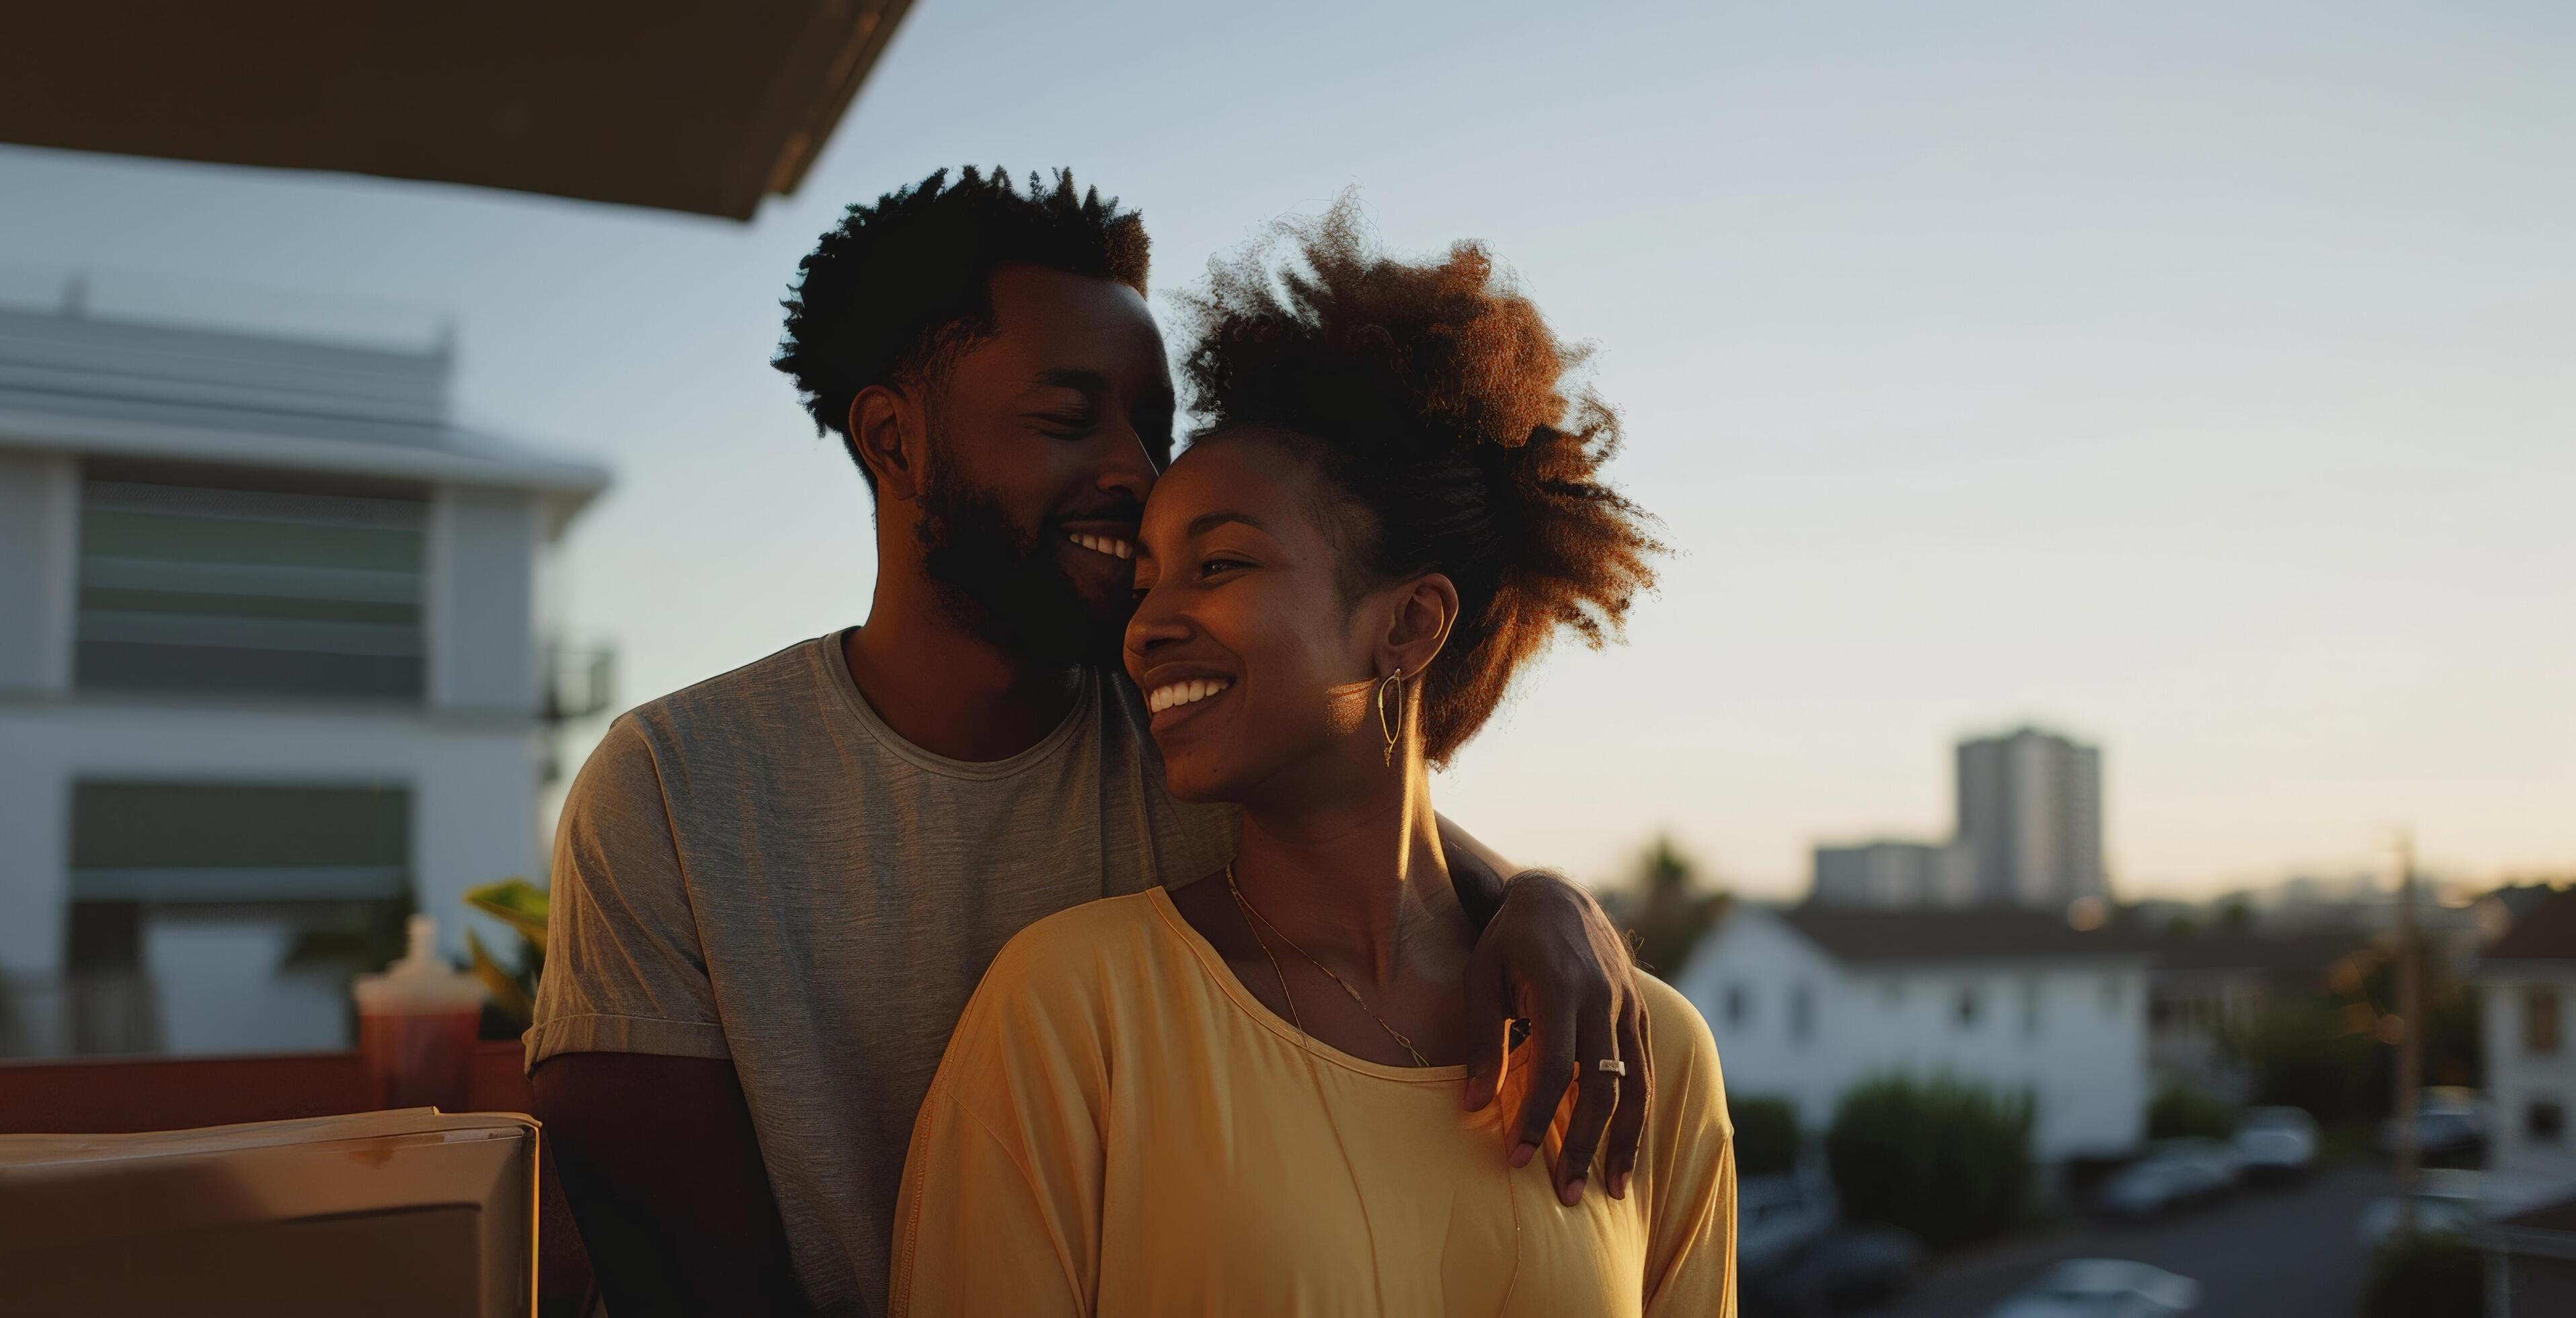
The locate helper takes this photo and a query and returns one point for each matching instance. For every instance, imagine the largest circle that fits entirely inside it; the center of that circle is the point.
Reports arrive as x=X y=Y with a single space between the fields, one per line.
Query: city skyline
x=2194 y=385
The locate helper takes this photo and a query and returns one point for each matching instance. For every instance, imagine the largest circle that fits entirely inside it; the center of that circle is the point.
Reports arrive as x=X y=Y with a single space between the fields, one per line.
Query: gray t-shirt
x=758 y=868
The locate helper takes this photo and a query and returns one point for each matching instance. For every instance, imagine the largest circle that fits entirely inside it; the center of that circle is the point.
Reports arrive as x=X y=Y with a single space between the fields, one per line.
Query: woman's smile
x=1180 y=696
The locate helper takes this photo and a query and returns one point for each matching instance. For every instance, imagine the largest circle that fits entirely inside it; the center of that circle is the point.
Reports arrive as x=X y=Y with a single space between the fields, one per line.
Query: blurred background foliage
x=1947 y=1160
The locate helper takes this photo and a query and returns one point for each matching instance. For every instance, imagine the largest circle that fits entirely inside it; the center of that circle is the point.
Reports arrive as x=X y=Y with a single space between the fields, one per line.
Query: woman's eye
x=1215 y=565
x=1067 y=424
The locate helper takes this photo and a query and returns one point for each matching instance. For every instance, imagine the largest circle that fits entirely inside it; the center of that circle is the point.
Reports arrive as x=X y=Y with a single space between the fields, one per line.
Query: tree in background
x=1944 y=1159
x=2178 y=1112
x=2333 y=1053
x=1766 y=1135
x=2427 y=1277
x=1665 y=910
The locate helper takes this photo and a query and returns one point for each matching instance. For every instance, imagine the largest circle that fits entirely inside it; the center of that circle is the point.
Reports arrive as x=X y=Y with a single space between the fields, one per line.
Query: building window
x=2030 y=1008
x=222 y=583
x=2112 y=995
x=1968 y=1007
x=2540 y=1019
x=1891 y=994
x=1739 y=1006
x=1802 y=1013
x=2545 y=1122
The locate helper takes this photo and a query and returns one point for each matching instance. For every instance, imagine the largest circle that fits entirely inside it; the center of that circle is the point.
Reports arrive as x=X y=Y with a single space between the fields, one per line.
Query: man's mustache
x=1119 y=507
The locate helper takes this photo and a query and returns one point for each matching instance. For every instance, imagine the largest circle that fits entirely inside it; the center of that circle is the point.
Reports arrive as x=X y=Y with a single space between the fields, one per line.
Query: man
x=774 y=891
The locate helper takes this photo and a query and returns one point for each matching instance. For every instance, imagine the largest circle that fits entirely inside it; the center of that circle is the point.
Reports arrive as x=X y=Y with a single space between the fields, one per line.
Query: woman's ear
x=886 y=430
x=1426 y=608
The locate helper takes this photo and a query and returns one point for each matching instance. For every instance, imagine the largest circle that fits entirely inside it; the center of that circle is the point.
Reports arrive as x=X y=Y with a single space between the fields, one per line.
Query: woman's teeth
x=1183 y=693
x=1103 y=544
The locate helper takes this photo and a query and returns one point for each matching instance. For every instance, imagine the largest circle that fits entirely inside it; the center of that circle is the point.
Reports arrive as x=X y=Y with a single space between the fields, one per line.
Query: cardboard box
x=382 y=1213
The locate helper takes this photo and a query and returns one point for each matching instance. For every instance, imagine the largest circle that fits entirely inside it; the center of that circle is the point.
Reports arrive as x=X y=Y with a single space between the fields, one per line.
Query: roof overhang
x=696 y=107
x=462 y=457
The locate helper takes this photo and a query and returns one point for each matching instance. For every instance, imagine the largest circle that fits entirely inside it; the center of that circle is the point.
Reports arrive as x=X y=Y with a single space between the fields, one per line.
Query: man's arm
x=663 y=1172
x=1550 y=956
x=630 y=1066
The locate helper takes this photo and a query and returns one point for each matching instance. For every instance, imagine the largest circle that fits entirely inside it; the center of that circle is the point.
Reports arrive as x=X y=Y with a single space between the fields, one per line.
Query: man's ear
x=1426 y=608
x=891 y=437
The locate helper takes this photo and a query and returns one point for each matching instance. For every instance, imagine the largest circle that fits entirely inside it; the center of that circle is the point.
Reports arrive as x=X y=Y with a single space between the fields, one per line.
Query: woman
x=1240 y=1096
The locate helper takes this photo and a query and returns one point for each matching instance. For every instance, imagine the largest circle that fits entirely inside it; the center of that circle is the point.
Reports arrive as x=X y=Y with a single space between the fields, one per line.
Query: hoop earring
x=1390 y=719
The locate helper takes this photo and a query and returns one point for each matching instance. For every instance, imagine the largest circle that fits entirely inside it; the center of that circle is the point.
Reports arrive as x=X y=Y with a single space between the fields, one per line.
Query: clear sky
x=2192 y=378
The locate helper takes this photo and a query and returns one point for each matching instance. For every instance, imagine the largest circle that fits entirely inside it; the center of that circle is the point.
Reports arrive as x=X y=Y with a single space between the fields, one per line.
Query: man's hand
x=1550 y=957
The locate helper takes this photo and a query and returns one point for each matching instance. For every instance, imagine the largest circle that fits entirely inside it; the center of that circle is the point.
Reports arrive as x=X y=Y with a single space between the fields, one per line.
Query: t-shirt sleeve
x=624 y=969
x=1690 y=1245
x=1000 y=1210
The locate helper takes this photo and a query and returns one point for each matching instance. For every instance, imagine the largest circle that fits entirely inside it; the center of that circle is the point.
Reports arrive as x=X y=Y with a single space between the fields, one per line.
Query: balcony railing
x=580 y=682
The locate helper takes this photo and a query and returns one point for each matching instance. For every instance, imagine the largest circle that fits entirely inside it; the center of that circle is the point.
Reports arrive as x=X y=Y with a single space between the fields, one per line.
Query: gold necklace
x=1256 y=916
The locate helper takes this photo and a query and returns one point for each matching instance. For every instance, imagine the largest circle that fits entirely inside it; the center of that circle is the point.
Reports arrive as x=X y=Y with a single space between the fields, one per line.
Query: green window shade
x=226 y=842
x=202 y=588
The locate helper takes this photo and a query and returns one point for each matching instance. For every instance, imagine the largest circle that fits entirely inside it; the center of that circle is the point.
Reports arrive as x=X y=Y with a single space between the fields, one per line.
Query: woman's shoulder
x=1058 y=995
x=1113 y=932
x=1687 y=1074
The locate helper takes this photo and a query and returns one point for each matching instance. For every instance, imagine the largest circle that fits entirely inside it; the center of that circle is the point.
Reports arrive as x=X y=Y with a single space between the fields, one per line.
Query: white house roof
x=1986 y=933
x=73 y=383
x=2547 y=932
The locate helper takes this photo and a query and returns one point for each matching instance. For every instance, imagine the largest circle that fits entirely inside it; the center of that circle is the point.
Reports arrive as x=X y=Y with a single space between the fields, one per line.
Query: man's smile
x=1113 y=546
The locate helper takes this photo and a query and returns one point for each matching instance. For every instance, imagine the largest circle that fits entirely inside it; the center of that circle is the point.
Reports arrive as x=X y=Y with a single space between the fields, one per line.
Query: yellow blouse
x=1120 y=1128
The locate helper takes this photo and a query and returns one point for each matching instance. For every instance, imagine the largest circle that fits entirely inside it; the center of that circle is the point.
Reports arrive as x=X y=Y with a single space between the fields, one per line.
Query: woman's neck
x=1359 y=881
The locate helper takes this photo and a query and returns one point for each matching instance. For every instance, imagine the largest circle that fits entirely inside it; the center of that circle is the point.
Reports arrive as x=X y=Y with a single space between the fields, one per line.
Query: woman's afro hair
x=1434 y=399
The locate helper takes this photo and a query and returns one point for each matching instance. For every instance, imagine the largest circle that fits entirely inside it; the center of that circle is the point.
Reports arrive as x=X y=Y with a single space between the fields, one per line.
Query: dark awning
x=677 y=104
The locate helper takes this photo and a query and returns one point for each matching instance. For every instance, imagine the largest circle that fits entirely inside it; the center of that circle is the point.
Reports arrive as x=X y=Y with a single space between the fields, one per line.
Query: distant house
x=270 y=670
x=2531 y=1262
x=2529 y=978
x=1806 y=1003
x=2206 y=983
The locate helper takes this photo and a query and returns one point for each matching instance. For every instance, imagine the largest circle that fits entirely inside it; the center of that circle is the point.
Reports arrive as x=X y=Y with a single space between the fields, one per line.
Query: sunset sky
x=2198 y=381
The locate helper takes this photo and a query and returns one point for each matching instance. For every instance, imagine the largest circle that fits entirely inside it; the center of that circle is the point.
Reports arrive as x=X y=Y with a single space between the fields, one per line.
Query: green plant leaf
x=501 y=984
x=516 y=902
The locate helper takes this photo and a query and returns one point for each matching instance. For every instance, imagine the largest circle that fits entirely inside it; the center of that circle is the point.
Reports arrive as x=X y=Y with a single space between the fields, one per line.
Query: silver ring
x=1612 y=1065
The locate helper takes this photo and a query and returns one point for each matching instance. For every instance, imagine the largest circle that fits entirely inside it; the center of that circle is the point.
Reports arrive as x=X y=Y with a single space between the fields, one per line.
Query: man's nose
x=1126 y=466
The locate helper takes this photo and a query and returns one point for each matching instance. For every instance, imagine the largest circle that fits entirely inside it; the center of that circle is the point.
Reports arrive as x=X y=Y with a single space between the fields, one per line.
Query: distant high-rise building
x=1890 y=873
x=2030 y=818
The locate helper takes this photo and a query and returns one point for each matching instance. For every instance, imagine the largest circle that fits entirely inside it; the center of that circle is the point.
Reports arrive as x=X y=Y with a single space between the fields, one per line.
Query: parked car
x=1795 y=1255
x=2173 y=1173
x=1778 y=1216
x=1855 y=1263
x=2447 y=1203
x=2276 y=1143
x=2450 y=1127
x=2103 y=1288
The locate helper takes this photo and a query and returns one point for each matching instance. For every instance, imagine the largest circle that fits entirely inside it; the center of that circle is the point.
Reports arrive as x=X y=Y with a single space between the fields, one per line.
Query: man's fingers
x=1596 y=1095
x=1628 y=1124
x=1489 y=1026
x=1552 y=1044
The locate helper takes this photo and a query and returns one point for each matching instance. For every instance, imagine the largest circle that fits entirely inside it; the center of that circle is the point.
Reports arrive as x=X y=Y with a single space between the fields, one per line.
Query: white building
x=2529 y=981
x=1894 y=874
x=2030 y=817
x=269 y=663
x=1807 y=1003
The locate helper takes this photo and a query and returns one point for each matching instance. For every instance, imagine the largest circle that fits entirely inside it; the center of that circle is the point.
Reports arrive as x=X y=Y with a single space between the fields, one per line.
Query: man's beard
x=1003 y=583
